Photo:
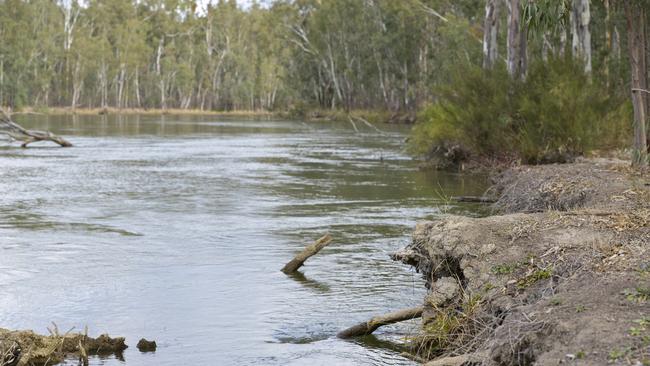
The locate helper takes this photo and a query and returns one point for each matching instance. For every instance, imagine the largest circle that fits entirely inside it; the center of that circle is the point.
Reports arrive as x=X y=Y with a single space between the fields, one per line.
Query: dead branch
x=476 y=199
x=373 y=324
x=309 y=251
x=369 y=124
x=19 y=133
x=353 y=124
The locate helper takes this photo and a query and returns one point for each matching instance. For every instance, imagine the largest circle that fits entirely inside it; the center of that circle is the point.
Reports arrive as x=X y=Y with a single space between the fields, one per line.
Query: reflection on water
x=175 y=228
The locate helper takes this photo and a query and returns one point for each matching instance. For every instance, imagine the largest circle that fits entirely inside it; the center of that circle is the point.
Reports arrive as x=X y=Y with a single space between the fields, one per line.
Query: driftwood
x=19 y=133
x=477 y=199
x=309 y=251
x=371 y=325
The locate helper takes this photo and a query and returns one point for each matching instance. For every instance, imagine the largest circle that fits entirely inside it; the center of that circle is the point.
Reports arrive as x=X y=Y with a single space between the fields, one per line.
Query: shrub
x=556 y=112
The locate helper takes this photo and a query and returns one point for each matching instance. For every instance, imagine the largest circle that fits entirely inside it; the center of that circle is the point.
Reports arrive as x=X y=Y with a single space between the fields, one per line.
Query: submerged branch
x=373 y=324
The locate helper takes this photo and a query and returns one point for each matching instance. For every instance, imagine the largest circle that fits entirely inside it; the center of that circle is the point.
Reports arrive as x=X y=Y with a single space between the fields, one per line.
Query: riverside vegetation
x=560 y=275
x=561 y=88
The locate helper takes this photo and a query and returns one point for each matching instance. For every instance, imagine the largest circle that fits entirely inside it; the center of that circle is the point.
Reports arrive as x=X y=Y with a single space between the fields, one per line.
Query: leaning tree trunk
x=635 y=15
x=19 y=133
x=490 y=32
x=517 y=58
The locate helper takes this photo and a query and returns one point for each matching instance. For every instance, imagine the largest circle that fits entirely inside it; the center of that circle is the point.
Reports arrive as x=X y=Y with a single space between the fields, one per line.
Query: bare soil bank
x=561 y=275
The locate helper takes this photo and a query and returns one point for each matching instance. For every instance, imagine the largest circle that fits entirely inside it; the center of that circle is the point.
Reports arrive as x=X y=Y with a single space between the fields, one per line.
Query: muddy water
x=175 y=228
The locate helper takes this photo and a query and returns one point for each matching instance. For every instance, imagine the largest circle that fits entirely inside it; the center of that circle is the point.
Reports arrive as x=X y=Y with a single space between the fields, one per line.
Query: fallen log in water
x=19 y=133
x=373 y=324
x=309 y=251
x=477 y=199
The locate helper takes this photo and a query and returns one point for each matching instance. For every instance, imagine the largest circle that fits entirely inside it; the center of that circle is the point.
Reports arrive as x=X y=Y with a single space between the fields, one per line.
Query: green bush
x=556 y=111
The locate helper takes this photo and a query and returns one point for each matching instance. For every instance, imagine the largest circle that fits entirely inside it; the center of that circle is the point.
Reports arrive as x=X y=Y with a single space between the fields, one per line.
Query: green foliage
x=346 y=54
x=452 y=325
x=544 y=15
x=506 y=268
x=557 y=110
x=538 y=275
x=618 y=353
x=639 y=294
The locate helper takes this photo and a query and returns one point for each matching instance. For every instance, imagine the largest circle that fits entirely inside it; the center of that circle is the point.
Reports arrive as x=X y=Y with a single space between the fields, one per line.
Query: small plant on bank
x=638 y=294
x=538 y=275
x=506 y=268
x=454 y=327
x=618 y=353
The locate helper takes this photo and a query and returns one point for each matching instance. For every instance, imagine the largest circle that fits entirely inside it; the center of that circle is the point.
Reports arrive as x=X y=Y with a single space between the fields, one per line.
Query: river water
x=175 y=229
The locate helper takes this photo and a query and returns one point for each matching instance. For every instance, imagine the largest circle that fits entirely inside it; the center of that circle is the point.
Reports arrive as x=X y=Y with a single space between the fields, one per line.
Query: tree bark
x=635 y=16
x=373 y=324
x=309 y=251
x=608 y=39
x=490 y=33
x=517 y=54
x=581 y=36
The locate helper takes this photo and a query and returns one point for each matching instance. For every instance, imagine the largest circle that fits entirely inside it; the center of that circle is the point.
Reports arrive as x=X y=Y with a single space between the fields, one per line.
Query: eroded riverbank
x=560 y=275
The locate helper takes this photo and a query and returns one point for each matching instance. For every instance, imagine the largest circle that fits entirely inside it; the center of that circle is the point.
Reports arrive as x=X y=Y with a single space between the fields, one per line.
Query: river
x=175 y=229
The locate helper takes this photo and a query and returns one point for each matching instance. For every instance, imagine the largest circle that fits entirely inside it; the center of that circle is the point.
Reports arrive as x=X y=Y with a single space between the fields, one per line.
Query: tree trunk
x=608 y=40
x=581 y=41
x=517 y=55
x=490 y=33
x=77 y=84
x=635 y=15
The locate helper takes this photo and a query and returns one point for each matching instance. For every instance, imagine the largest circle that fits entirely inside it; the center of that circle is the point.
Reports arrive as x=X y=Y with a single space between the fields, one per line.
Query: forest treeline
x=220 y=56
x=476 y=68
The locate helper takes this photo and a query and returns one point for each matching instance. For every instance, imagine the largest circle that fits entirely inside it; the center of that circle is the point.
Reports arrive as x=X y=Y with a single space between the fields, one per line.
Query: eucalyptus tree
x=544 y=14
x=635 y=14
x=490 y=33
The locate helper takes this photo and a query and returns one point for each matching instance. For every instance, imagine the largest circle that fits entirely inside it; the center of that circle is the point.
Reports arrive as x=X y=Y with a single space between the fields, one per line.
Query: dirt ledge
x=562 y=278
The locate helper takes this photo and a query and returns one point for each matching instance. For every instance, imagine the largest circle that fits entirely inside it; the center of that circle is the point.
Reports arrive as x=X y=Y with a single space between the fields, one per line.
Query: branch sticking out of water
x=373 y=324
x=309 y=251
x=18 y=132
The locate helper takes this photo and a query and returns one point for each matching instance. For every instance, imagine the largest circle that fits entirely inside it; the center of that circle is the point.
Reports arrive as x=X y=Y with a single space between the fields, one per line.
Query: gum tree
x=542 y=15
